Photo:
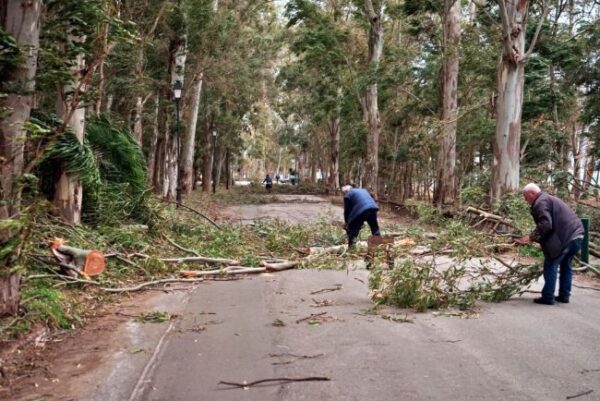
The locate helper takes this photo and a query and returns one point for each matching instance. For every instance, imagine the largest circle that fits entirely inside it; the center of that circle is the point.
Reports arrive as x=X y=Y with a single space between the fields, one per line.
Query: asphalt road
x=246 y=330
x=516 y=350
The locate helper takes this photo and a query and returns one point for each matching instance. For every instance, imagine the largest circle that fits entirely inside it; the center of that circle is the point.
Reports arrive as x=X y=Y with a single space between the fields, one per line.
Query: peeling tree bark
x=445 y=190
x=511 y=80
x=68 y=194
x=22 y=21
x=189 y=140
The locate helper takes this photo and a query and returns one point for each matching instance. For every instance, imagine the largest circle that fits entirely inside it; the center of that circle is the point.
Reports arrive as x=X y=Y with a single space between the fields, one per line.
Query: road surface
x=252 y=329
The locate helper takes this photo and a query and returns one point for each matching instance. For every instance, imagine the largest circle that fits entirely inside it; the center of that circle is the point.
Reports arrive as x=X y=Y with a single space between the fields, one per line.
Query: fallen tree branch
x=570 y=397
x=149 y=283
x=180 y=247
x=223 y=272
x=278 y=379
x=275 y=265
x=588 y=266
x=201 y=259
x=336 y=288
x=195 y=211
x=294 y=356
x=489 y=216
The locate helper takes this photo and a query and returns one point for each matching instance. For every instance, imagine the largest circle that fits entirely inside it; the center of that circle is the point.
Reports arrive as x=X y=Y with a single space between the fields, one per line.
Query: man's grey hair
x=346 y=188
x=531 y=187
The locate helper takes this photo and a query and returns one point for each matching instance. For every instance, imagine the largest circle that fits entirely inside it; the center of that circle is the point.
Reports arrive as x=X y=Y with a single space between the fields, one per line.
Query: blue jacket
x=357 y=201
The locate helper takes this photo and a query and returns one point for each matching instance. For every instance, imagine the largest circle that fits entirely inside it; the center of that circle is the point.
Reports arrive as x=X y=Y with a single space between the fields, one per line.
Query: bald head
x=346 y=188
x=531 y=192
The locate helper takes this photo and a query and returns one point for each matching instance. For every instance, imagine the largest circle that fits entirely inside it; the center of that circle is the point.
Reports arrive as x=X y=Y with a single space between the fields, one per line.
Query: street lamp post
x=177 y=95
x=214 y=166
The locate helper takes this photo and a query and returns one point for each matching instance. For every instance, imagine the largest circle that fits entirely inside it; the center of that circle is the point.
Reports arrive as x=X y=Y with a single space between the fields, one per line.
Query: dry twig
x=312 y=316
x=245 y=384
x=336 y=288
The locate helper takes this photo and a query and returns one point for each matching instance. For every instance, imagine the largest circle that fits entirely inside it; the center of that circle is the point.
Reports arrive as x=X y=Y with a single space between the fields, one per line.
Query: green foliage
x=49 y=305
x=426 y=212
x=473 y=195
x=514 y=207
x=10 y=55
x=67 y=154
x=124 y=193
x=111 y=167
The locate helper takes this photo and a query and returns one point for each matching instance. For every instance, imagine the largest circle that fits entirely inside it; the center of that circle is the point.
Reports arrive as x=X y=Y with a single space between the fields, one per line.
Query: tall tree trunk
x=208 y=158
x=68 y=193
x=22 y=21
x=154 y=142
x=219 y=163
x=101 y=77
x=334 y=170
x=511 y=80
x=189 y=140
x=445 y=189
x=374 y=122
x=177 y=70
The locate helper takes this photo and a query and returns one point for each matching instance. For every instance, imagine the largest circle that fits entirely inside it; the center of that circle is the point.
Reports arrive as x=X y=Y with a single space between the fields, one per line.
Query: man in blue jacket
x=560 y=233
x=359 y=207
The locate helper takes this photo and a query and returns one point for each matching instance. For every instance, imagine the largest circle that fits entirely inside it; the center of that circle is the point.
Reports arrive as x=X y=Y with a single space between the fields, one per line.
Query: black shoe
x=543 y=301
x=563 y=300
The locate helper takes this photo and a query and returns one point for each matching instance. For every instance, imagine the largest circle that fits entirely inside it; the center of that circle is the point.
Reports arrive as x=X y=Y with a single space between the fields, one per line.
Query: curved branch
x=546 y=10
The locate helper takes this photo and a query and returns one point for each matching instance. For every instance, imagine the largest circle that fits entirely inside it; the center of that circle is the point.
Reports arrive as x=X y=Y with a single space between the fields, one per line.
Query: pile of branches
x=455 y=268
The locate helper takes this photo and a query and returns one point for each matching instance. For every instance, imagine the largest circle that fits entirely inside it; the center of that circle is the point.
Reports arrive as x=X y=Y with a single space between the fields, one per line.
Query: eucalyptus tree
x=238 y=51
x=72 y=47
x=373 y=11
x=514 y=17
x=319 y=71
x=178 y=53
x=445 y=190
x=19 y=43
x=202 y=27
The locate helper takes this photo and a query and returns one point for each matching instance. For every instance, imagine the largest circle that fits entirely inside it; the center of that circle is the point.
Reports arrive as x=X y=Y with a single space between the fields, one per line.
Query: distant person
x=268 y=183
x=359 y=206
x=277 y=178
x=560 y=233
x=292 y=175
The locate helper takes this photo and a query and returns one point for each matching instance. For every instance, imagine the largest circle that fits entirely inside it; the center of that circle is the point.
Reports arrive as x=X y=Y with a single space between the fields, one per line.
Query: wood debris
x=336 y=288
x=246 y=385
x=322 y=303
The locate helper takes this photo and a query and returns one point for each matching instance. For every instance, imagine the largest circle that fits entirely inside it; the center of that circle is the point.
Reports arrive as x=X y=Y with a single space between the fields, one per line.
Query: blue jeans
x=370 y=216
x=566 y=272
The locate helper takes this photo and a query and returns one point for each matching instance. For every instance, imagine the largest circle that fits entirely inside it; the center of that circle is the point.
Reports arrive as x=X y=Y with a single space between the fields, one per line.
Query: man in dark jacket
x=560 y=233
x=359 y=207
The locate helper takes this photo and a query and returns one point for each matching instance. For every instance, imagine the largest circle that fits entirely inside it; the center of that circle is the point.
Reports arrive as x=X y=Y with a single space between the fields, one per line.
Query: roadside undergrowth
x=135 y=251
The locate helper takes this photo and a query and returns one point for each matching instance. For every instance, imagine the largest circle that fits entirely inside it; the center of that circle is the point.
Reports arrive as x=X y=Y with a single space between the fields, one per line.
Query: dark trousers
x=566 y=272
x=370 y=216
